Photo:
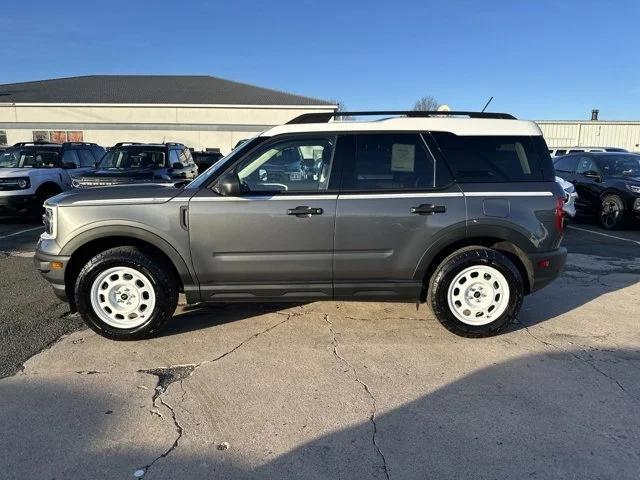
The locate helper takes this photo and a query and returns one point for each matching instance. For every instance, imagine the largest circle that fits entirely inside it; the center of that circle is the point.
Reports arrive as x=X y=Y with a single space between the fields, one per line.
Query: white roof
x=458 y=126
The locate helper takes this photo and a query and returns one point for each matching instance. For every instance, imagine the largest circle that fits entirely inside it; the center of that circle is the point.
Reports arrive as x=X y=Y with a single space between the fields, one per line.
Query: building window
x=3 y=137
x=58 y=136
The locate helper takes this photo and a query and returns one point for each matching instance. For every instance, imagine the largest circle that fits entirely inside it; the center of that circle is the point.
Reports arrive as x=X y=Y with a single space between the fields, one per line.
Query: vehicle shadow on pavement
x=571 y=414
x=199 y=316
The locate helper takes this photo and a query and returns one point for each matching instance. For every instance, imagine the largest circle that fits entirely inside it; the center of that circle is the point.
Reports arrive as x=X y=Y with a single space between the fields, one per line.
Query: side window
x=560 y=152
x=390 y=161
x=183 y=157
x=586 y=164
x=98 y=153
x=173 y=157
x=492 y=159
x=301 y=165
x=70 y=156
x=188 y=156
x=39 y=158
x=576 y=151
x=3 y=137
x=86 y=158
x=567 y=164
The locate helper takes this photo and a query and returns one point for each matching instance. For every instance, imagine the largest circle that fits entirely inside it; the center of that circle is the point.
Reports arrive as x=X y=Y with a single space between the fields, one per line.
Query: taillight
x=559 y=214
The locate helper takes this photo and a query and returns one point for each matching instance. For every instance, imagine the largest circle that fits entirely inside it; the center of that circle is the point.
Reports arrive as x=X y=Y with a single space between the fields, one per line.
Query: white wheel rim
x=122 y=297
x=478 y=295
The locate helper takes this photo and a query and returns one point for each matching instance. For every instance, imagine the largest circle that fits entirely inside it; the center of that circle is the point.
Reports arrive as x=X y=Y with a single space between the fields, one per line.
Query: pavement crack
x=374 y=408
x=178 y=373
x=574 y=355
x=166 y=376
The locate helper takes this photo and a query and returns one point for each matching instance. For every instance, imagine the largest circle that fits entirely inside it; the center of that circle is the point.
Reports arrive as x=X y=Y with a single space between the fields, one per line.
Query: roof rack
x=326 y=116
x=37 y=142
x=91 y=144
x=121 y=144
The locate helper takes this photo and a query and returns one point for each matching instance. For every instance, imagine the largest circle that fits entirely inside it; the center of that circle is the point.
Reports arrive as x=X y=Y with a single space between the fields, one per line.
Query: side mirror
x=229 y=185
x=177 y=166
x=593 y=174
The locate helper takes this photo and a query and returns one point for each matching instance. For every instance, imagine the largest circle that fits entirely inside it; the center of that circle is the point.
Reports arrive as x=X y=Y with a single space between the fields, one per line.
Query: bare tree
x=341 y=108
x=426 y=104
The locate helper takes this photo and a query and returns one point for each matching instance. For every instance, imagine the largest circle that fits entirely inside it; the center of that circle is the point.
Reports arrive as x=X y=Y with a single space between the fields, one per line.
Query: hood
x=116 y=195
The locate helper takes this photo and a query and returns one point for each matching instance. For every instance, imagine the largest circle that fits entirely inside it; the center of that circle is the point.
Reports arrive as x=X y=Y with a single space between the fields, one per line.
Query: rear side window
x=393 y=161
x=86 y=158
x=495 y=159
x=566 y=164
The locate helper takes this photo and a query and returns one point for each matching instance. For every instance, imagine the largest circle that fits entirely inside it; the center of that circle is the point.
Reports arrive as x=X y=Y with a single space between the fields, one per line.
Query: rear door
x=395 y=201
x=588 y=188
x=275 y=241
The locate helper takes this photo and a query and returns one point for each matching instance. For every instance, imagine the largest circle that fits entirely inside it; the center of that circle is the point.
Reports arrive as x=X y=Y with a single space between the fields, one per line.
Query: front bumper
x=17 y=202
x=55 y=276
x=547 y=266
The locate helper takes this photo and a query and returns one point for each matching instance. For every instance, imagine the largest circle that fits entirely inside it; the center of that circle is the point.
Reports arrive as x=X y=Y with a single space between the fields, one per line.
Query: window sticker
x=403 y=157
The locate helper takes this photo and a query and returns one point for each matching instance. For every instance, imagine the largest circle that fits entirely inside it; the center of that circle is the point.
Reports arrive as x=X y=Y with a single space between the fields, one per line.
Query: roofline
x=173 y=105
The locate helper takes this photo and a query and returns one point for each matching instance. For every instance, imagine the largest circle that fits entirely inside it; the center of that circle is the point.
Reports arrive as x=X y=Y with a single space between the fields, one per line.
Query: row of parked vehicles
x=31 y=172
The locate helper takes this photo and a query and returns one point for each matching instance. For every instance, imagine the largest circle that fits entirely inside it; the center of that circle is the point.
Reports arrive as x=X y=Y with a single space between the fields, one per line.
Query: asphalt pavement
x=329 y=389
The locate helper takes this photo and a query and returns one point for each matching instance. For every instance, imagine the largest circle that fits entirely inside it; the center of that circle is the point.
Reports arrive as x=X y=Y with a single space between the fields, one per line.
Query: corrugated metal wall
x=591 y=134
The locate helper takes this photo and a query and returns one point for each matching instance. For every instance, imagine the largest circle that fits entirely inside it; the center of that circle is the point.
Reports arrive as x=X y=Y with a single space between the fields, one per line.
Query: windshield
x=210 y=172
x=28 y=158
x=133 y=158
x=619 y=165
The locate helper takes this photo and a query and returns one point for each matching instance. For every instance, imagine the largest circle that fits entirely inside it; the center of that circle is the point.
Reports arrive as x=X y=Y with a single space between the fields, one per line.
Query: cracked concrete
x=343 y=390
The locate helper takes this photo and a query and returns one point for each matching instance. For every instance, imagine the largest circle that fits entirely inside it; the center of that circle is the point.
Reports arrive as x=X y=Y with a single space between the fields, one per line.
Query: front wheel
x=611 y=212
x=476 y=292
x=125 y=293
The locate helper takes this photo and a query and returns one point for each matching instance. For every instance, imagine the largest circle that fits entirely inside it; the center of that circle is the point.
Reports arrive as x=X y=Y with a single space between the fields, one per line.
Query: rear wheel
x=611 y=215
x=125 y=293
x=476 y=292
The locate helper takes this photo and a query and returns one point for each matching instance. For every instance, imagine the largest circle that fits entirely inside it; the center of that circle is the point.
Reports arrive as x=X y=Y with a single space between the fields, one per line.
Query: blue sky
x=540 y=59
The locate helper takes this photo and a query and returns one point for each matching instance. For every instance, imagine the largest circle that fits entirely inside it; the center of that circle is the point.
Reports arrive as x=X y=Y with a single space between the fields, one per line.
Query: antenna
x=487 y=104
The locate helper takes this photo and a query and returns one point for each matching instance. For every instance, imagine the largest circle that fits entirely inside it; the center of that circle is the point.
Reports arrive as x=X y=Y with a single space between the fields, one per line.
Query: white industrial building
x=591 y=133
x=200 y=111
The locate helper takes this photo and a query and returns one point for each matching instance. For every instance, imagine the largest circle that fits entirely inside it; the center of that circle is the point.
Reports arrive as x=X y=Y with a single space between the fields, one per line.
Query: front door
x=275 y=241
x=395 y=201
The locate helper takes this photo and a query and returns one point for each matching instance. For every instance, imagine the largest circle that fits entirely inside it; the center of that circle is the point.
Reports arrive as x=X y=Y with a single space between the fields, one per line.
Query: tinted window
x=292 y=165
x=173 y=157
x=70 y=156
x=566 y=164
x=29 y=158
x=133 y=157
x=619 y=165
x=394 y=161
x=490 y=159
x=586 y=164
x=183 y=157
x=86 y=158
x=560 y=152
x=576 y=151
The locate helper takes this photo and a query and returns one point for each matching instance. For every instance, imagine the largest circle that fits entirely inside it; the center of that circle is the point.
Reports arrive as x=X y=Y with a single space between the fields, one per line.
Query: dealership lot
x=329 y=390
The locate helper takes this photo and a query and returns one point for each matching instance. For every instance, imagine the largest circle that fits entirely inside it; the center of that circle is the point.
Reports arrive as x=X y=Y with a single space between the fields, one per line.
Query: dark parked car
x=127 y=163
x=463 y=214
x=206 y=158
x=607 y=183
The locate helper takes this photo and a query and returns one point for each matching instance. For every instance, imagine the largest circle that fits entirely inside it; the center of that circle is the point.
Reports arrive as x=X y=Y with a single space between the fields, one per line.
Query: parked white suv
x=559 y=151
x=31 y=172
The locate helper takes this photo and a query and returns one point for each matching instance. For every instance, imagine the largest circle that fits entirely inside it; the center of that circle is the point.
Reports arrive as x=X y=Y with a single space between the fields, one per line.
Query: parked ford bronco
x=31 y=172
x=461 y=213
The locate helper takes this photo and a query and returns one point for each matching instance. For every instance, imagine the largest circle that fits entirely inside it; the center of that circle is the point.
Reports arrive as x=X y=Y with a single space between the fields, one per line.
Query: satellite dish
x=444 y=108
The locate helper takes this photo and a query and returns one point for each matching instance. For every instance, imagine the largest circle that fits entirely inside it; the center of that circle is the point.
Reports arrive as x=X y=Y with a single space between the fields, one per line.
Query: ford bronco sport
x=31 y=172
x=461 y=213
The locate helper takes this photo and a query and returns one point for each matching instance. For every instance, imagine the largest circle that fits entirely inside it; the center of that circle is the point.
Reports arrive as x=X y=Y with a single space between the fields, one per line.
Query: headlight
x=634 y=188
x=16 y=183
x=49 y=219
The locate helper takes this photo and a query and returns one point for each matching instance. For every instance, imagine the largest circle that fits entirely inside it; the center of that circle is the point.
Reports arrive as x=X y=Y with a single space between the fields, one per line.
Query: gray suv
x=459 y=210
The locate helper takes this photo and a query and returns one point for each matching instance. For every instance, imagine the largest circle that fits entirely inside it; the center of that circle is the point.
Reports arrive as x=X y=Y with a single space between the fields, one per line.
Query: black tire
x=455 y=263
x=157 y=270
x=45 y=192
x=611 y=212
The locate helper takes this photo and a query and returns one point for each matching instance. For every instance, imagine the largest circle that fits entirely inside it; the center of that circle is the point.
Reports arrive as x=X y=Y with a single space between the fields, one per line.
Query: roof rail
x=79 y=143
x=175 y=144
x=37 y=142
x=326 y=116
x=121 y=144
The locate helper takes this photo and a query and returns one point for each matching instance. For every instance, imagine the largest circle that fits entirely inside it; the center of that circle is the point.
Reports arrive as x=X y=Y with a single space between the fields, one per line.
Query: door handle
x=428 y=209
x=304 y=211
